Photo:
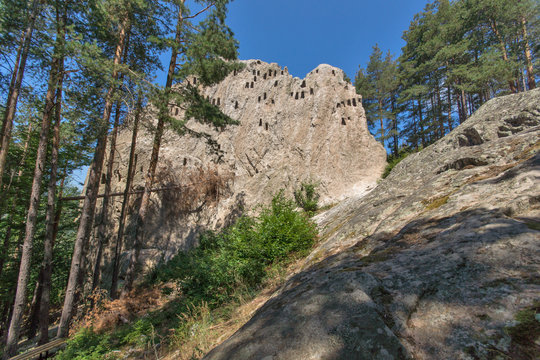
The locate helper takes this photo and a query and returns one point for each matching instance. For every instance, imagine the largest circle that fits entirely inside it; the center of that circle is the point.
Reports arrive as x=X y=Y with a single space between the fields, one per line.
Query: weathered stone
x=291 y=130
x=434 y=263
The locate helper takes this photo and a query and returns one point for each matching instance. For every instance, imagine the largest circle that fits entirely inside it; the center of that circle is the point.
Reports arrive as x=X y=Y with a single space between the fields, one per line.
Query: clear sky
x=302 y=34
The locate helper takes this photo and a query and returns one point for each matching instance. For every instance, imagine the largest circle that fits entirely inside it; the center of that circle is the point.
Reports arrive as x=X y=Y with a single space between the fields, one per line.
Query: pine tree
x=138 y=20
x=89 y=204
x=205 y=52
x=15 y=85
x=55 y=76
x=378 y=86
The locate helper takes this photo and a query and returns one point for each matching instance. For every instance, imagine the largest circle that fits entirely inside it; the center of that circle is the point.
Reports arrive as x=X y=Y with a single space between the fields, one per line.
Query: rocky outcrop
x=435 y=263
x=290 y=130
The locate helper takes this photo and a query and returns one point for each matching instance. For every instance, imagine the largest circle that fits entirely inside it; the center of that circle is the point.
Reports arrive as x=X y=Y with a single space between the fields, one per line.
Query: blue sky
x=302 y=34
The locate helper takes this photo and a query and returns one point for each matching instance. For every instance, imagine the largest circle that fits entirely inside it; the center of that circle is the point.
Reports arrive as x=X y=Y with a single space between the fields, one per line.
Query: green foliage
x=307 y=197
x=393 y=160
x=239 y=256
x=525 y=333
x=378 y=85
x=86 y=345
x=457 y=55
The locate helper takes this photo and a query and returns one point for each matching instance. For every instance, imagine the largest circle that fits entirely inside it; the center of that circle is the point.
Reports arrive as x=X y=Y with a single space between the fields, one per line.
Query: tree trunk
x=439 y=110
x=7 y=235
x=125 y=202
x=33 y=319
x=50 y=217
x=449 y=99
x=4 y=123
x=421 y=124
x=528 y=57
x=395 y=134
x=11 y=106
x=24 y=270
x=92 y=187
x=381 y=121
x=145 y=201
x=101 y=232
x=502 y=46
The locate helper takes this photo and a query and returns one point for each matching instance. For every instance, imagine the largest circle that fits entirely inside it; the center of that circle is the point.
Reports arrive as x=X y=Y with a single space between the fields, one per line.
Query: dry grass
x=493 y=171
x=105 y=314
x=434 y=203
x=203 y=329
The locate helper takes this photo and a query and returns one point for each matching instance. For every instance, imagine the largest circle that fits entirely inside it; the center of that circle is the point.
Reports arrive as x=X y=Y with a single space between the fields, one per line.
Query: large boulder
x=438 y=262
x=290 y=130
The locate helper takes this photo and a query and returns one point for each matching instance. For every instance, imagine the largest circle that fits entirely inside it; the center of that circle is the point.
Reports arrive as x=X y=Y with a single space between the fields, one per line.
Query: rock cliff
x=291 y=130
x=436 y=263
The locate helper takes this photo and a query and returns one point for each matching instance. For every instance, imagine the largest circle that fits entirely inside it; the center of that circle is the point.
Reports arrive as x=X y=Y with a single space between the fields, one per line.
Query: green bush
x=86 y=345
x=224 y=265
x=393 y=160
x=307 y=197
x=238 y=257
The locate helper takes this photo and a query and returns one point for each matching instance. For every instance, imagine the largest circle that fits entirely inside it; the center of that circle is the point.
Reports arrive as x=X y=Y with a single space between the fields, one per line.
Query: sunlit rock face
x=434 y=263
x=290 y=130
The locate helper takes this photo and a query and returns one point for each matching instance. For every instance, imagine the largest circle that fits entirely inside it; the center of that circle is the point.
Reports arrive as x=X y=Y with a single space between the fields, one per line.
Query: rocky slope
x=435 y=263
x=291 y=130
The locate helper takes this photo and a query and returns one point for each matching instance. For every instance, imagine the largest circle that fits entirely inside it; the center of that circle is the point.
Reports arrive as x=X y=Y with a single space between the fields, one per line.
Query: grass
x=533 y=225
x=393 y=160
x=432 y=204
x=526 y=333
x=206 y=289
x=379 y=256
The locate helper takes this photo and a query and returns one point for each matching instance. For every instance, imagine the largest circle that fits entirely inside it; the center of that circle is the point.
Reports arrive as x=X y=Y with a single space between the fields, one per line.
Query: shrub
x=238 y=256
x=393 y=160
x=307 y=197
x=86 y=345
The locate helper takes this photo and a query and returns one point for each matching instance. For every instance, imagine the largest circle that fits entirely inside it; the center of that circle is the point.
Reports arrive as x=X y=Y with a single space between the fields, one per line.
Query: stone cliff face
x=435 y=263
x=291 y=130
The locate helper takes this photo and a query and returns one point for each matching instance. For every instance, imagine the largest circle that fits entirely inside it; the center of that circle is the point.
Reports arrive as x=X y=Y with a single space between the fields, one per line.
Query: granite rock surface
x=290 y=130
x=437 y=262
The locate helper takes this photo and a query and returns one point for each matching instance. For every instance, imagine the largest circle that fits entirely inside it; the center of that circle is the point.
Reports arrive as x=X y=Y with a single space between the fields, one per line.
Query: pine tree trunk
x=145 y=201
x=33 y=319
x=463 y=114
x=440 y=110
x=11 y=105
x=421 y=124
x=502 y=46
x=92 y=187
x=41 y=158
x=4 y=123
x=395 y=134
x=449 y=99
x=434 y=120
x=530 y=71
x=101 y=232
x=50 y=216
x=7 y=236
x=31 y=219
x=123 y=212
x=381 y=121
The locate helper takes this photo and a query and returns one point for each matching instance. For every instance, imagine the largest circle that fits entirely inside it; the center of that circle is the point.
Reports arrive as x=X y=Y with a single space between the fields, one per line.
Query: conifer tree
x=55 y=76
x=205 y=52
x=378 y=85
x=130 y=18
x=89 y=204
x=15 y=85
